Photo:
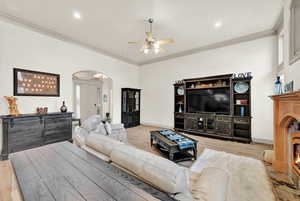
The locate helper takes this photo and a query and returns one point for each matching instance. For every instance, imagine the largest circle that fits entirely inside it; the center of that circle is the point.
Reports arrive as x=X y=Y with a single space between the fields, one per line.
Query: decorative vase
x=278 y=86
x=180 y=109
x=107 y=115
x=242 y=111
x=63 y=108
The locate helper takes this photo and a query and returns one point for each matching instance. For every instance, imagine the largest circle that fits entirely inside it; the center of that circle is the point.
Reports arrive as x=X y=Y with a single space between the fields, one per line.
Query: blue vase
x=242 y=111
x=278 y=87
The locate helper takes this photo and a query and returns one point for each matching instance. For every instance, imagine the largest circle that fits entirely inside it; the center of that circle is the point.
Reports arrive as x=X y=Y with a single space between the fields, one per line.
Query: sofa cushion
x=159 y=171
x=125 y=157
x=102 y=143
x=80 y=135
x=92 y=122
x=211 y=185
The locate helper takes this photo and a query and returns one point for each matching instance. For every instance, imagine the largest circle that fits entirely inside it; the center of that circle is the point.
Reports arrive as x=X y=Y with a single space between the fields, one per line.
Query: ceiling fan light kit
x=151 y=44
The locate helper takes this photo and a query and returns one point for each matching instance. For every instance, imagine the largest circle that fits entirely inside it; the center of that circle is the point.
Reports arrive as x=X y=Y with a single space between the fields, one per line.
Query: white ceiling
x=109 y=25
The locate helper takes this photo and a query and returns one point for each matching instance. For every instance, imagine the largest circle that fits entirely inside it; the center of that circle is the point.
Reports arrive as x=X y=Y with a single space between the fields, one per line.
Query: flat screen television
x=209 y=100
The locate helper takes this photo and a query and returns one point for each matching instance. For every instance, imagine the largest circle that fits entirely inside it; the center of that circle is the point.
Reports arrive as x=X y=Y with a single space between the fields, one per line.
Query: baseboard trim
x=262 y=141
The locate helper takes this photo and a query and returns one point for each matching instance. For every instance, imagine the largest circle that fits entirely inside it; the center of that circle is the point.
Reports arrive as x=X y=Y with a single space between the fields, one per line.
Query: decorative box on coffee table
x=172 y=149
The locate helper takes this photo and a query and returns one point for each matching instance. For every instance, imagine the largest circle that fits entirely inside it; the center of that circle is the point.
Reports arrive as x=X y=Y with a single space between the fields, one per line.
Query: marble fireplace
x=287 y=134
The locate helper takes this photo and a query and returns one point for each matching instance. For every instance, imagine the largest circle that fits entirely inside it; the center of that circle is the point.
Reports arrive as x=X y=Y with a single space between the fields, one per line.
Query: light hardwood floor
x=140 y=138
x=5 y=181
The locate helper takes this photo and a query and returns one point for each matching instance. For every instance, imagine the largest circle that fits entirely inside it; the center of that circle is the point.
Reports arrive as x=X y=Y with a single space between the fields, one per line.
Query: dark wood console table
x=33 y=130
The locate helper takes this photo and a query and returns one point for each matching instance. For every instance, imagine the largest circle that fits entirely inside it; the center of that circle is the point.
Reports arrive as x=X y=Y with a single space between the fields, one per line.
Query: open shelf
x=213 y=87
x=246 y=93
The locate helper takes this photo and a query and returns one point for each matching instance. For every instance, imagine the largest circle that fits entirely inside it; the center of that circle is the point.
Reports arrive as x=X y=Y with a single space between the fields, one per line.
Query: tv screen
x=209 y=100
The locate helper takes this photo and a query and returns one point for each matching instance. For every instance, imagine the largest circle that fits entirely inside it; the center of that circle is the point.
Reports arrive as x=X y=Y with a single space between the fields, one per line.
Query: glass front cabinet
x=131 y=107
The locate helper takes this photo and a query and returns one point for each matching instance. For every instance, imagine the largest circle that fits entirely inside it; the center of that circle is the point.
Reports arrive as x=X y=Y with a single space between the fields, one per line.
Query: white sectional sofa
x=179 y=182
x=159 y=172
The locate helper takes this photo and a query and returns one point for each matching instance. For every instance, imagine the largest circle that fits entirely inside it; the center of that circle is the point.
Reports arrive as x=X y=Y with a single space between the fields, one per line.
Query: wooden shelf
x=247 y=93
x=241 y=116
x=241 y=130
x=214 y=87
x=178 y=122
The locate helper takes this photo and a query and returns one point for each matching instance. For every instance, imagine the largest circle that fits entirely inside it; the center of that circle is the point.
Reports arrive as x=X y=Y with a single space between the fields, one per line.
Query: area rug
x=248 y=180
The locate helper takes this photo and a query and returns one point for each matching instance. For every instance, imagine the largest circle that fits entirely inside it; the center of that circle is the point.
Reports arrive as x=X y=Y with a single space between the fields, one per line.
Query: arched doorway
x=92 y=94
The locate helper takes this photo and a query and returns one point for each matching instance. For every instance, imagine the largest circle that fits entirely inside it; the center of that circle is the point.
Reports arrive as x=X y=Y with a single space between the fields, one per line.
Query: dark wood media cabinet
x=33 y=130
x=235 y=125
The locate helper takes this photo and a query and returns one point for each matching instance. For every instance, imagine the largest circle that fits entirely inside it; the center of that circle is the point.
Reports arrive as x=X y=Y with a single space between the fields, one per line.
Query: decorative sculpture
x=13 y=107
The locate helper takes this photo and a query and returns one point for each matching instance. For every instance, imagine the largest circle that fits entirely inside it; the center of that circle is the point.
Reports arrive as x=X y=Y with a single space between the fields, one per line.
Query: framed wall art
x=34 y=83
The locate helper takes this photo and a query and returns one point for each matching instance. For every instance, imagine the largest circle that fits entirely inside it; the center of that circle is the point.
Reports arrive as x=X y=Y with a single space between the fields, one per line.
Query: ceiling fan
x=151 y=43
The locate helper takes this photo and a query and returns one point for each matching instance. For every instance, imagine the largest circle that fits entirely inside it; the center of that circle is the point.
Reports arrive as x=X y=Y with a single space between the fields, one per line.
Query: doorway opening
x=92 y=94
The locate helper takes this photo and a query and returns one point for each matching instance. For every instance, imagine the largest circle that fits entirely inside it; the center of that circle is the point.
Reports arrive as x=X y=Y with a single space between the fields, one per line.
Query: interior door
x=90 y=101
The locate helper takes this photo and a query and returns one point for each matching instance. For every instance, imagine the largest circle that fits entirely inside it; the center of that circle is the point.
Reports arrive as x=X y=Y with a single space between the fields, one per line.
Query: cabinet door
x=137 y=101
x=191 y=123
x=57 y=128
x=223 y=128
x=136 y=118
x=24 y=133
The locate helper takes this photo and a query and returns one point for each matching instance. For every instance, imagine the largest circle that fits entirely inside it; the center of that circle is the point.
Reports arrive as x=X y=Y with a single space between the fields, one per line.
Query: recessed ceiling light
x=218 y=24
x=76 y=15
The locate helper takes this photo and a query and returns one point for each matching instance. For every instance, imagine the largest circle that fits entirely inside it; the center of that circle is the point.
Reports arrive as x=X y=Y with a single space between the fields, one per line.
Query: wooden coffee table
x=171 y=148
x=63 y=172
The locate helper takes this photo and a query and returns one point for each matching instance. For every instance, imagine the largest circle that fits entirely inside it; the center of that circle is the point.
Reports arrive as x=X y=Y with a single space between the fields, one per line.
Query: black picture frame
x=16 y=93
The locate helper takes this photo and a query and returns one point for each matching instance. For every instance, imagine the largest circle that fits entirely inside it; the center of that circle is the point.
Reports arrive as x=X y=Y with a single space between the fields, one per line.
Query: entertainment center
x=217 y=106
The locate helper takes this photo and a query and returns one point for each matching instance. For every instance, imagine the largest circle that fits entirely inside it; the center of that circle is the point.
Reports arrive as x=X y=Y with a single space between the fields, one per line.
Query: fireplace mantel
x=286 y=109
x=287 y=96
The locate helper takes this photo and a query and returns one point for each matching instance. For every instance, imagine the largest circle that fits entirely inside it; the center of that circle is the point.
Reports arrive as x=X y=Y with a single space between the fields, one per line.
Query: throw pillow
x=108 y=128
x=101 y=129
x=211 y=184
x=92 y=122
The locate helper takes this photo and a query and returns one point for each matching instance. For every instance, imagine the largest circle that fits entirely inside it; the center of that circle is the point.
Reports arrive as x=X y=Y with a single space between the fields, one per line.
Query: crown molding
x=279 y=23
x=234 y=41
x=37 y=28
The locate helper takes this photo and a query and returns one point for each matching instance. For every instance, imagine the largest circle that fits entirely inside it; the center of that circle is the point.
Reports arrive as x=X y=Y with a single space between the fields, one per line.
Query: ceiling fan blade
x=149 y=36
x=135 y=42
x=163 y=42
